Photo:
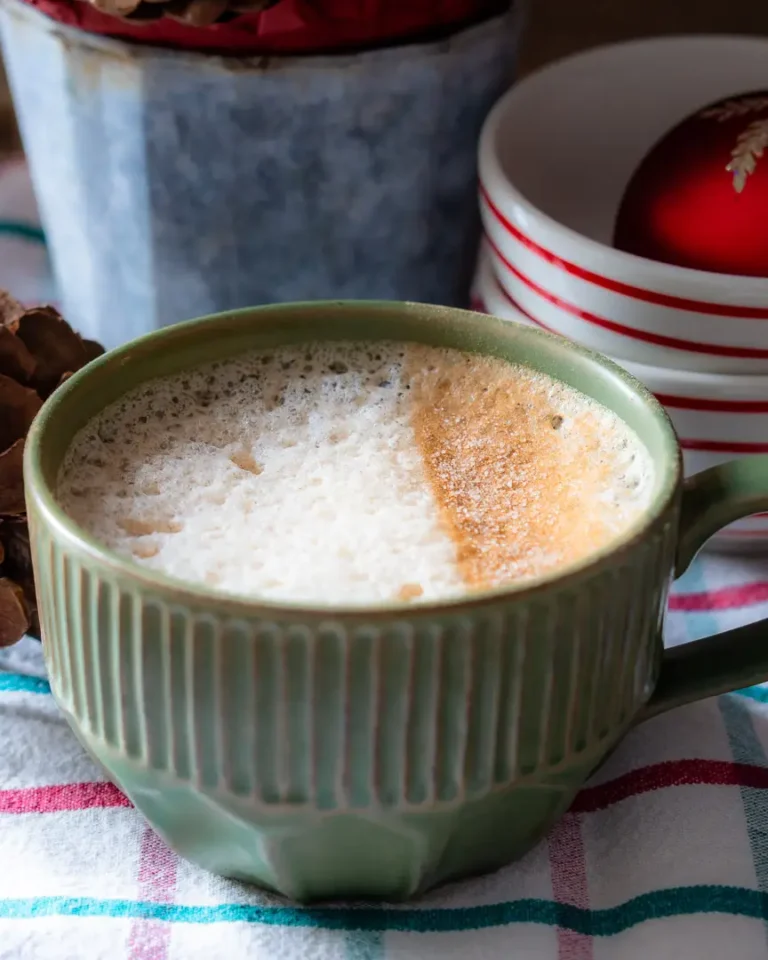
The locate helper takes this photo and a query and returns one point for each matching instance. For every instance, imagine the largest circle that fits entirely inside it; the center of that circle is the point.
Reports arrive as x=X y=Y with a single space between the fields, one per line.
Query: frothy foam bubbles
x=354 y=473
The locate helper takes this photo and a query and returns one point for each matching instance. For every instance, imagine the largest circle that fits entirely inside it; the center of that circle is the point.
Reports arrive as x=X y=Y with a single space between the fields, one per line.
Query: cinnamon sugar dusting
x=528 y=474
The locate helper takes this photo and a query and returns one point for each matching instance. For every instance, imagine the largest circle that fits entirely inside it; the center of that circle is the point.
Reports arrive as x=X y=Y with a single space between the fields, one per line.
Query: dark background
x=558 y=27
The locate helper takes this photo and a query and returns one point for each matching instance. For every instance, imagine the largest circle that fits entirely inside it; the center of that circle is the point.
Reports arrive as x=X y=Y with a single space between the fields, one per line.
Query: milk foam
x=345 y=473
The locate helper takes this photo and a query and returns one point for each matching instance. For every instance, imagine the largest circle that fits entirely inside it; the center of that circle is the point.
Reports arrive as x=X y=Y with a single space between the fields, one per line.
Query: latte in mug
x=356 y=473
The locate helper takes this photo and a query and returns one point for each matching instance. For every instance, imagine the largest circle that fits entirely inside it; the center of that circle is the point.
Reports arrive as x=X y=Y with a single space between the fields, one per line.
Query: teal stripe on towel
x=656 y=905
x=18 y=683
x=23 y=231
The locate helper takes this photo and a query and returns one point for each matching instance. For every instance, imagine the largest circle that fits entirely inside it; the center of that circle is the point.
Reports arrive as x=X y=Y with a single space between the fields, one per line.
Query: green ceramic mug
x=373 y=753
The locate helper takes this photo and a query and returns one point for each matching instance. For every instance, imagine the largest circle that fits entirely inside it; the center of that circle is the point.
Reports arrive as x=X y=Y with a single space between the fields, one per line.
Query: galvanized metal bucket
x=176 y=184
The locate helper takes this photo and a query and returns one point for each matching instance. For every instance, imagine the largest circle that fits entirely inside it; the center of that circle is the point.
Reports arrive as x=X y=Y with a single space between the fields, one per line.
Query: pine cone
x=196 y=13
x=38 y=351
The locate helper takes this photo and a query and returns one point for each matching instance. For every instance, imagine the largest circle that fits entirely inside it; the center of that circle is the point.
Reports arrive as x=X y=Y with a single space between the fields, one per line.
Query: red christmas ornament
x=700 y=197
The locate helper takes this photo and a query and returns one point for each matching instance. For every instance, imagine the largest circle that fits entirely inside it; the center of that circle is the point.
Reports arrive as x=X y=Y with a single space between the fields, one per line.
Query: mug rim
x=41 y=493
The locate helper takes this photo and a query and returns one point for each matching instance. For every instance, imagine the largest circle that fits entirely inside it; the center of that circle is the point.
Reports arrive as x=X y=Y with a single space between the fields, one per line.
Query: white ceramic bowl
x=717 y=417
x=556 y=154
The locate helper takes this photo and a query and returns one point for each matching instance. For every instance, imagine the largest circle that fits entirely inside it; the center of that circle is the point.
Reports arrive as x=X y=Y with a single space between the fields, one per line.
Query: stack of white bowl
x=556 y=154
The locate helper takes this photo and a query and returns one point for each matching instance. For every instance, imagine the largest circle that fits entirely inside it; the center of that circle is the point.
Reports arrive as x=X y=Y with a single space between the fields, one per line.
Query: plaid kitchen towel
x=663 y=855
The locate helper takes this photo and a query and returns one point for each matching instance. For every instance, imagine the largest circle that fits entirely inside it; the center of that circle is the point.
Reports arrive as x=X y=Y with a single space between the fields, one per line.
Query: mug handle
x=737 y=658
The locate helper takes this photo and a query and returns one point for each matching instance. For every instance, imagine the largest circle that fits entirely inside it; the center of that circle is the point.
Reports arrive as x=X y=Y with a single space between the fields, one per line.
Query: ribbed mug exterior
x=373 y=756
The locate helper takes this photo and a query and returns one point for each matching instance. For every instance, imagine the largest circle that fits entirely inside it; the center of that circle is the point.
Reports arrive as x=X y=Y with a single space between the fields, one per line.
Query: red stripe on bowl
x=715 y=406
x=742 y=534
x=617 y=286
x=724 y=446
x=674 y=343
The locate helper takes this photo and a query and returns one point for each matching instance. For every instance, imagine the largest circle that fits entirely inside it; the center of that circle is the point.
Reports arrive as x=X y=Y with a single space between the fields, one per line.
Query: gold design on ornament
x=735 y=108
x=748 y=150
